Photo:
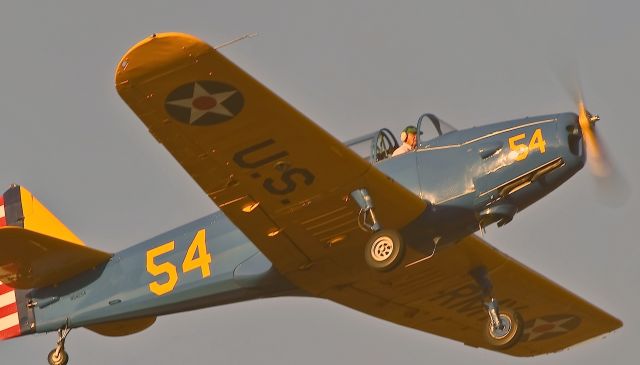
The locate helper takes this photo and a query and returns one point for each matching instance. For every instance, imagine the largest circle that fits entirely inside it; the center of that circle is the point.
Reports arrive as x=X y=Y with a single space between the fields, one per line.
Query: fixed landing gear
x=59 y=356
x=385 y=248
x=504 y=328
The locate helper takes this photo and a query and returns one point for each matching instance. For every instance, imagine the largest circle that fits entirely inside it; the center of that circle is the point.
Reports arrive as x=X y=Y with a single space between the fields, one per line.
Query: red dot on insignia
x=544 y=327
x=204 y=102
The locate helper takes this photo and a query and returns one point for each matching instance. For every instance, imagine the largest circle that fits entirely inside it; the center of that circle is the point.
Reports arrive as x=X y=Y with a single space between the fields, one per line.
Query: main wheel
x=507 y=335
x=384 y=250
x=61 y=359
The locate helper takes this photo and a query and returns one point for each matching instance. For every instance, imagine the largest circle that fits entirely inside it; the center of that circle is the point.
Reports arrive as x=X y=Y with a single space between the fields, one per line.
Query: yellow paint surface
x=31 y=259
x=38 y=218
x=122 y=328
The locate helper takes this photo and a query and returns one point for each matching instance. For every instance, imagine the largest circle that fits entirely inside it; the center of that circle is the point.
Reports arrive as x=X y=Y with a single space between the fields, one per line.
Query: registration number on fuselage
x=196 y=257
x=522 y=150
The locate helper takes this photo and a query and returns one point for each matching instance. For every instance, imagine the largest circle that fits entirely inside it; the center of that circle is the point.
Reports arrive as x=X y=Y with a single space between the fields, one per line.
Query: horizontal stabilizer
x=33 y=260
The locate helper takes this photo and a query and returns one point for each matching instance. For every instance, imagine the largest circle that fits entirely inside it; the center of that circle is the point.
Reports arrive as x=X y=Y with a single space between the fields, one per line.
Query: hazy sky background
x=353 y=67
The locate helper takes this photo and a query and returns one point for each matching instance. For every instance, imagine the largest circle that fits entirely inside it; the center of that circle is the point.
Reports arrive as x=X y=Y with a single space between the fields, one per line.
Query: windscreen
x=432 y=127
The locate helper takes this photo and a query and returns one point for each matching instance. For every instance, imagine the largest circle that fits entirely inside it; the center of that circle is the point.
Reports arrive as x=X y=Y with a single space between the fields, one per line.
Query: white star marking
x=541 y=322
x=199 y=91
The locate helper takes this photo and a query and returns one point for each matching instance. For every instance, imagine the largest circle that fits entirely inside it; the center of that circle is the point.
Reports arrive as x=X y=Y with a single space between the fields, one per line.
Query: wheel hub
x=382 y=248
x=502 y=331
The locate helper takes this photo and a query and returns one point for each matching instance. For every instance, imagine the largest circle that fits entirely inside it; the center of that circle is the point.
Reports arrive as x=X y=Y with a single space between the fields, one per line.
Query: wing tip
x=607 y=327
x=142 y=58
x=617 y=324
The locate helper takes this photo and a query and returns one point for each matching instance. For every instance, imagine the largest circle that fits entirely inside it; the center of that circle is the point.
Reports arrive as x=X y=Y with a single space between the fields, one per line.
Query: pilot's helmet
x=405 y=132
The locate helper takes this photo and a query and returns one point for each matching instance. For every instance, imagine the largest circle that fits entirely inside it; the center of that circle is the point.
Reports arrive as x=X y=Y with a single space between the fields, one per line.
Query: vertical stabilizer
x=22 y=209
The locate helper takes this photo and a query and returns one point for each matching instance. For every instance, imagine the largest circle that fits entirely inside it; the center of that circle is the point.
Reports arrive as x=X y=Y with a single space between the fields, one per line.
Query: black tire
x=384 y=250
x=503 y=339
x=61 y=359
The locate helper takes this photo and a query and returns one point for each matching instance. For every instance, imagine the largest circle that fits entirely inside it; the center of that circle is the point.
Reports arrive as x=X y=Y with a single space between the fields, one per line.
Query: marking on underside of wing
x=263 y=155
x=543 y=328
x=467 y=300
x=204 y=102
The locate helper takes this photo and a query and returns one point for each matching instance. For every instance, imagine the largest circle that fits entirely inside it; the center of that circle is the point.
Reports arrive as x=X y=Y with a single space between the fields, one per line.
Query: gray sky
x=353 y=67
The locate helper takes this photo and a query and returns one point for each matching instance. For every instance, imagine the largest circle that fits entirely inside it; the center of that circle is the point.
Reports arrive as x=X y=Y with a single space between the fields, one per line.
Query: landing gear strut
x=385 y=248
x=59 y=356
x=504 y=327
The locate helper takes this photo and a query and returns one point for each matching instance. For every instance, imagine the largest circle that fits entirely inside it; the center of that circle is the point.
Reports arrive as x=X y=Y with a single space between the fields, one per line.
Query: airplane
x=304 y=214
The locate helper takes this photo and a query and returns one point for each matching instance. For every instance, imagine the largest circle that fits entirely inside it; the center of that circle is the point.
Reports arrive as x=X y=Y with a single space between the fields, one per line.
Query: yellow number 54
x=191 y=262
x=536 y=142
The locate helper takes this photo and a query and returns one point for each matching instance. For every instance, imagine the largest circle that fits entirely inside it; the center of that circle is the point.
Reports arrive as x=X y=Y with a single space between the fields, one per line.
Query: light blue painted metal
x=120 y=289
x=468 y=176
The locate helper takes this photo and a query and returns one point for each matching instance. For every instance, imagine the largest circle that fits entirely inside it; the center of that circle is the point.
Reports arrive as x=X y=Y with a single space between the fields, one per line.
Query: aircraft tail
x=22 y=209
x=36 y=250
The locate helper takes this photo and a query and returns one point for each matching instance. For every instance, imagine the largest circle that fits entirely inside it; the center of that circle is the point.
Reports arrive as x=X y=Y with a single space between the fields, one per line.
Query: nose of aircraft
x=582 y=142
x=570 y=136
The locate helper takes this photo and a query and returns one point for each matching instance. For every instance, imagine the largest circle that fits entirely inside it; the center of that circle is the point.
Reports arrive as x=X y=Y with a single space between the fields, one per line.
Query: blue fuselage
x=471 y=178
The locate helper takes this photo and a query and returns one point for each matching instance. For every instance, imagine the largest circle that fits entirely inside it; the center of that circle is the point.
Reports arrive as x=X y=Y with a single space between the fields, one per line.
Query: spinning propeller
x=600 y=165
x=611 y=184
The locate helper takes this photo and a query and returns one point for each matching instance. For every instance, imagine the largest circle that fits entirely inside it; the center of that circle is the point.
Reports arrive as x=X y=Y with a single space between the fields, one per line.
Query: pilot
x=409 y=140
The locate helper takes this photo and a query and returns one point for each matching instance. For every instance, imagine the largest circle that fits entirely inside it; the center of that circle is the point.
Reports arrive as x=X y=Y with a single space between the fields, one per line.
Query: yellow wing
x=441 y=297
x=280 y=178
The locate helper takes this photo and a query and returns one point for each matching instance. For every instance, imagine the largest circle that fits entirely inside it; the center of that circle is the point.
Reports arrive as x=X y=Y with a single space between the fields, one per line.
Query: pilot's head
x=409 y=136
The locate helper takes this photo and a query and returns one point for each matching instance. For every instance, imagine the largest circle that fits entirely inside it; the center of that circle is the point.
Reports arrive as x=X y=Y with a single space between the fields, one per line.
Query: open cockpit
x=379 y=145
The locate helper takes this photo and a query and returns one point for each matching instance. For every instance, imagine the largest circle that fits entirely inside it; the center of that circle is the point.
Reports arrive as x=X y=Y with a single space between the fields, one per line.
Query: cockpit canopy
x=379 y=145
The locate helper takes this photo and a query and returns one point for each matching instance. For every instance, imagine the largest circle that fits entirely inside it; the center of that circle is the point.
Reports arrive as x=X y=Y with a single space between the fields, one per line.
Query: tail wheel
x=61 y=358
x=506 y=335
x=384 y=250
